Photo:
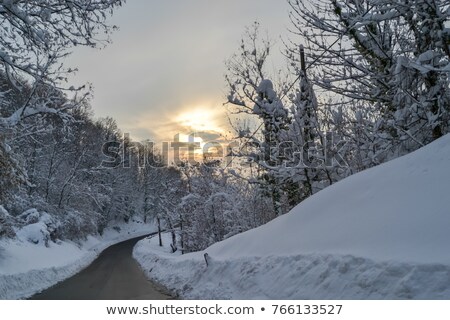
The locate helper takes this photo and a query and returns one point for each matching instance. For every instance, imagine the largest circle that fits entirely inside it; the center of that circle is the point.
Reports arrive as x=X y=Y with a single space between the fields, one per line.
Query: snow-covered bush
x=37 y=227
x=30 y=216
x=36 y=233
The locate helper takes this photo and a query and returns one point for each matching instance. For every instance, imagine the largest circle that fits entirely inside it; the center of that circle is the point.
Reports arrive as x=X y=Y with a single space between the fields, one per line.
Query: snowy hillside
x=383 y=233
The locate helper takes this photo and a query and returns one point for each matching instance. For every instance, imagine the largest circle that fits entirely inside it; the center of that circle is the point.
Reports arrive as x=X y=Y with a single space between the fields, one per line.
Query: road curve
x=114 y=275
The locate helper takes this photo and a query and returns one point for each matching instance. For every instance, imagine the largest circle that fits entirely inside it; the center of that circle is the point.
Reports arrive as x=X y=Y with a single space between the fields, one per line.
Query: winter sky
x=164 y=72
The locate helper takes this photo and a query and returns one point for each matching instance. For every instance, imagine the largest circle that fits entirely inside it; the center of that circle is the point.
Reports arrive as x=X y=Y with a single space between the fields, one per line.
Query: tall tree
x=392 y=56
x=251 y=93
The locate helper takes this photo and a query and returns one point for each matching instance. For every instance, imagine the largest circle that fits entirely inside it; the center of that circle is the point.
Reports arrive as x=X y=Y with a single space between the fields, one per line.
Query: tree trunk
x=159 y=231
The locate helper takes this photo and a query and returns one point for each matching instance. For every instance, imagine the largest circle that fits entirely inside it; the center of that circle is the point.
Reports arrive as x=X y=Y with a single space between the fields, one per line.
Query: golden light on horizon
x=199 y=124
x=199 y=119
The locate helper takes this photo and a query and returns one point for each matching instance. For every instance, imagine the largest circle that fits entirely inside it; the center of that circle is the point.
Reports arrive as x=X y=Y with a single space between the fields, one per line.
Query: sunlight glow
x=199 y=119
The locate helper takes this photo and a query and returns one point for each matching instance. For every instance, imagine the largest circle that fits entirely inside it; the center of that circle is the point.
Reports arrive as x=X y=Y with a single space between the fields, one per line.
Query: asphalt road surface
x=115 y=275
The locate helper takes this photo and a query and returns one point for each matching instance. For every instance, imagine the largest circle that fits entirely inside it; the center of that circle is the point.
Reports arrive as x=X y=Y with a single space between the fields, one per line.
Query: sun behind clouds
x=200 y=119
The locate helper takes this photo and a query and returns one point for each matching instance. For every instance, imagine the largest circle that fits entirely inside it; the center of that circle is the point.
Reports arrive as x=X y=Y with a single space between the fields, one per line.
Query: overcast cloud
x=168 y=58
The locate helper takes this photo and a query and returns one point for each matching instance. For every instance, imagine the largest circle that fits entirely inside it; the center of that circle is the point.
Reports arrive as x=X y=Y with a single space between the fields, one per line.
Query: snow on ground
x=380 y=234
x=27 y=268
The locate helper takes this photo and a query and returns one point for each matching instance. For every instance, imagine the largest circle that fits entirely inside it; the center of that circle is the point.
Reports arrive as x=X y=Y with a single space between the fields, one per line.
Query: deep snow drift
x=27 y=268
x=382 y=233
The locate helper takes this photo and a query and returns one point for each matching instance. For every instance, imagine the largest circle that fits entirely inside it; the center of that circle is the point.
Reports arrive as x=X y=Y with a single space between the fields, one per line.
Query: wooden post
x=206 y=256
x=302 y=59
x=158 y=219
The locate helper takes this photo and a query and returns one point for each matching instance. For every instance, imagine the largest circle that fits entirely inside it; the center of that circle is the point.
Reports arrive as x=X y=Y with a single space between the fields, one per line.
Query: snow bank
x=383 y=233
x=27 y=268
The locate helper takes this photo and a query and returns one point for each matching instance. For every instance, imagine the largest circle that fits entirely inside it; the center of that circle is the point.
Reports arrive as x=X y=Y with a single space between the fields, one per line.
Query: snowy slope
x=382 y=233
x=27 y=268
x=397 y=211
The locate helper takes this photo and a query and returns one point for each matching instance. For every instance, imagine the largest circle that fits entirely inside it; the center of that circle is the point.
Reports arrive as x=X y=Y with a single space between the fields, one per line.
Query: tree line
x=365 y=82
